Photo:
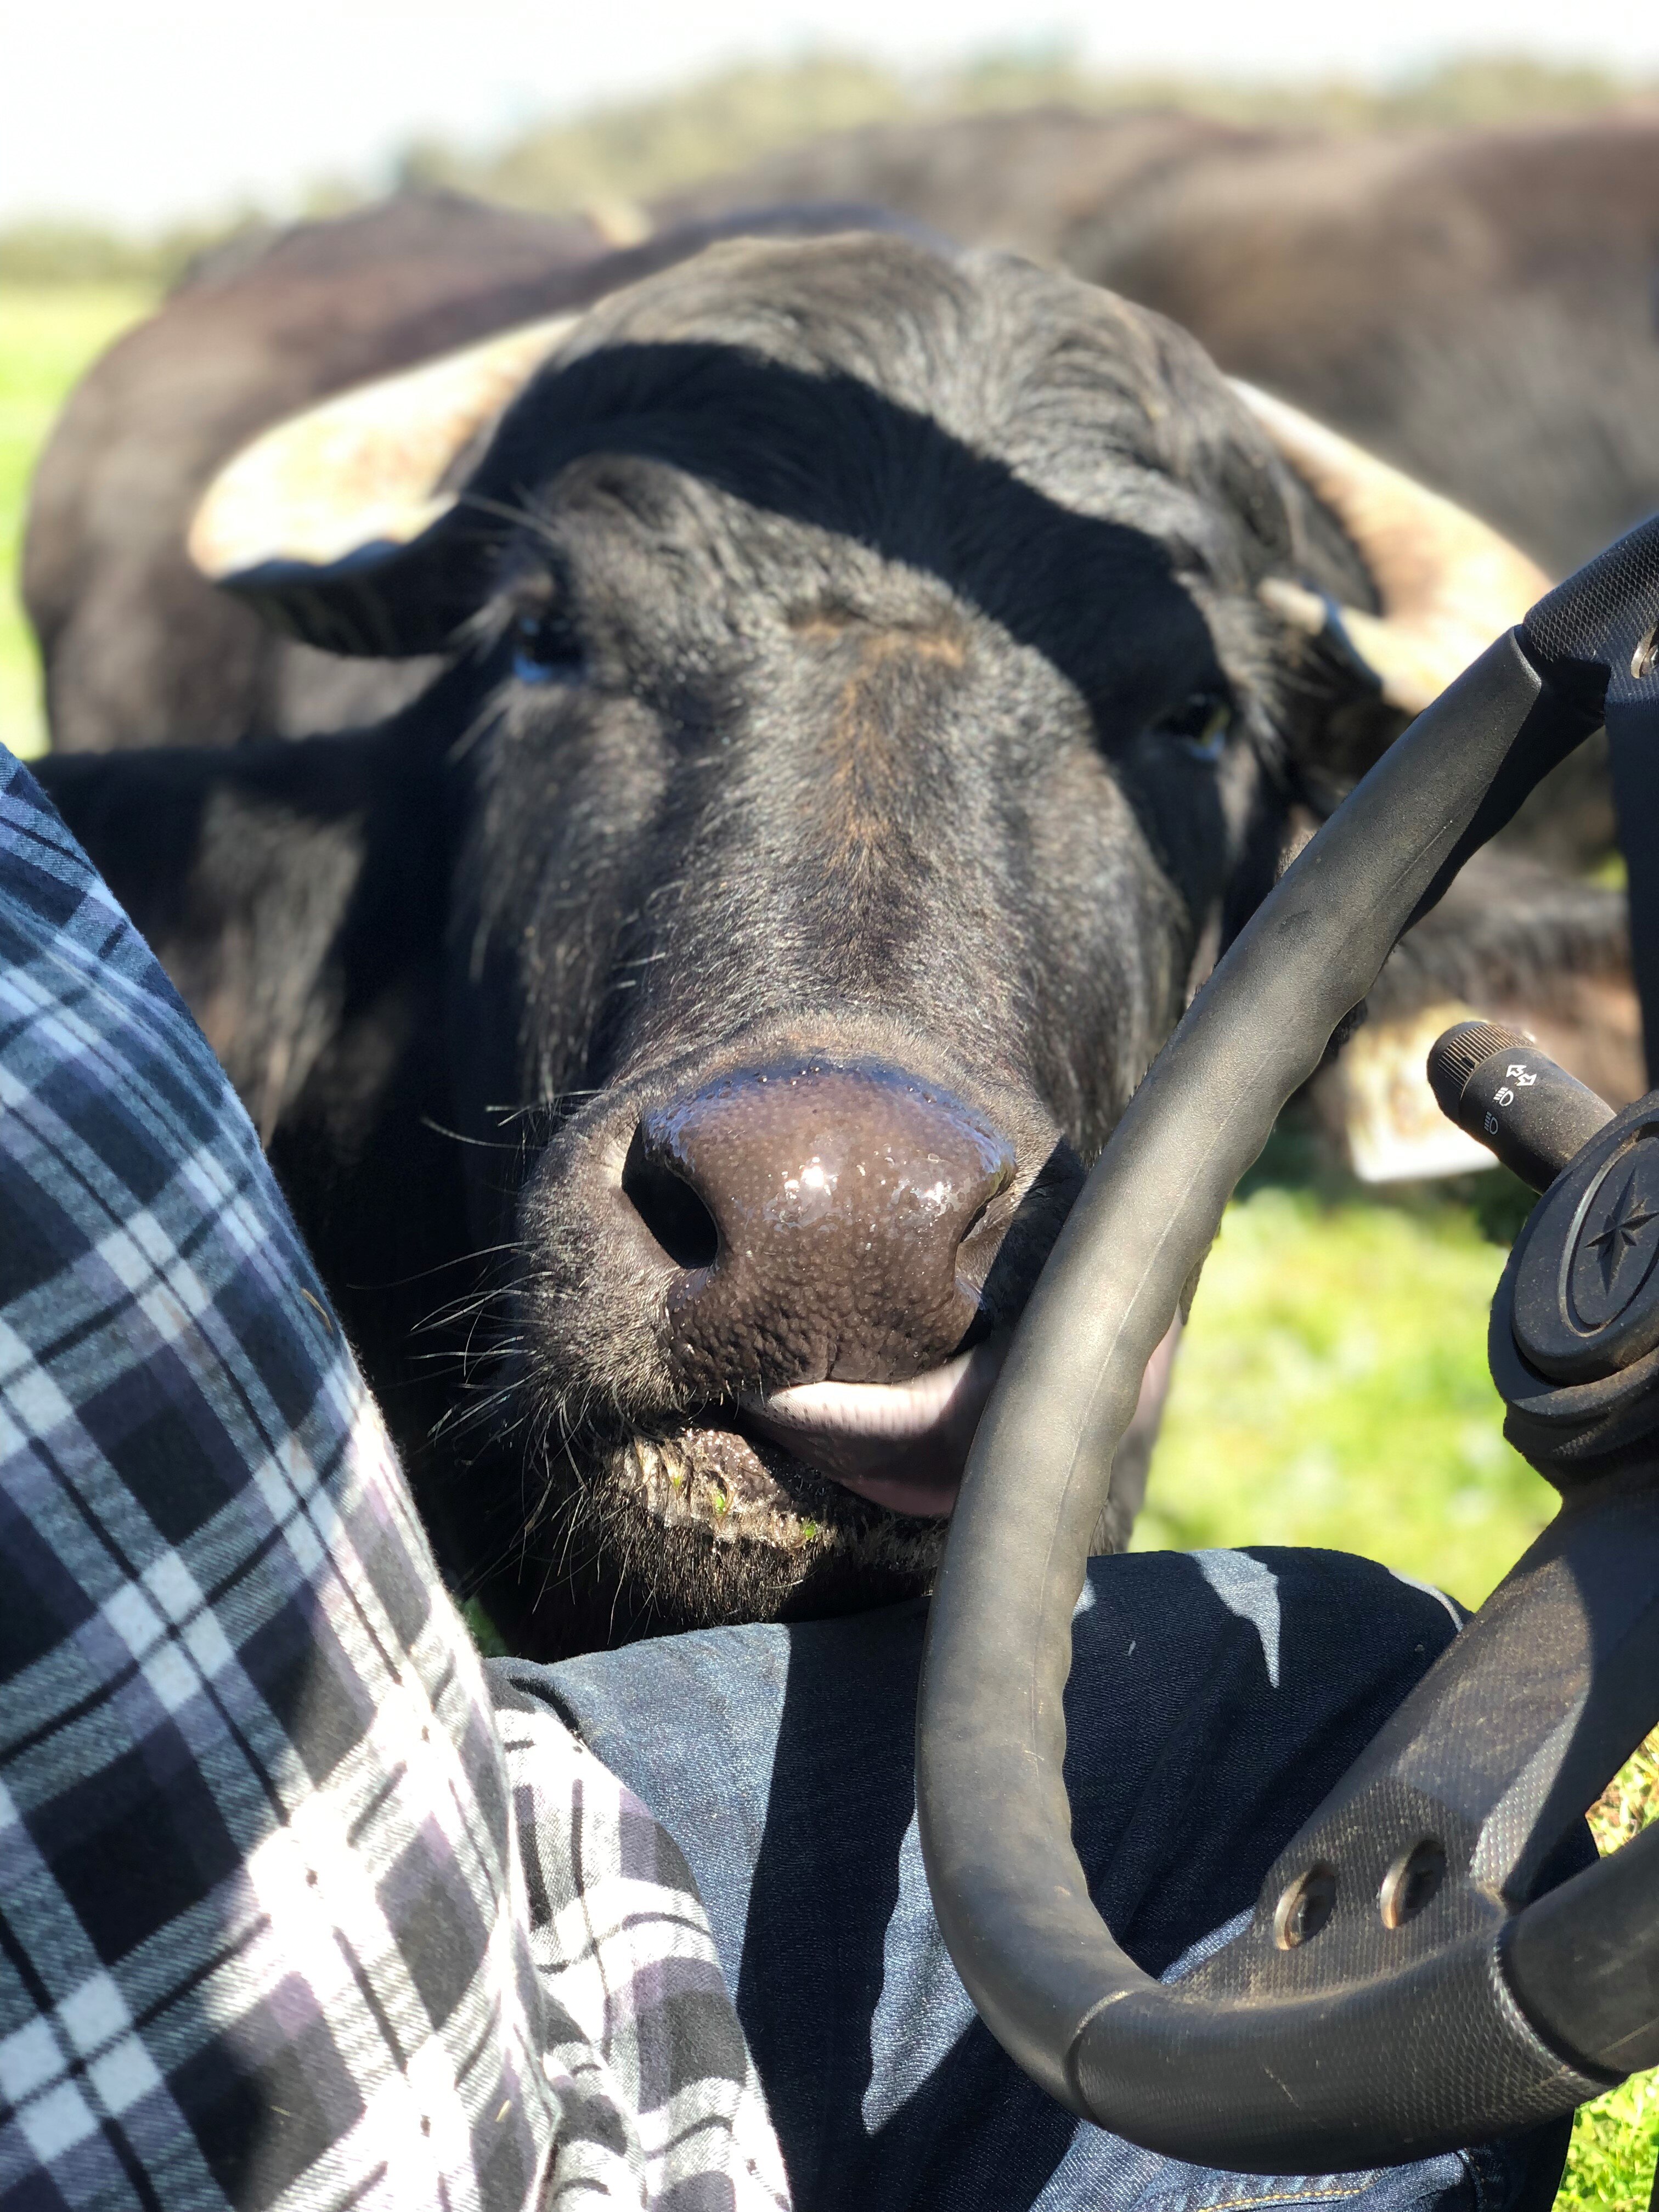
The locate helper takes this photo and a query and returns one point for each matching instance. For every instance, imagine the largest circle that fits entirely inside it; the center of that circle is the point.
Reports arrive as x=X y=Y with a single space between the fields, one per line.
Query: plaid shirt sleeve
x=290 y=1915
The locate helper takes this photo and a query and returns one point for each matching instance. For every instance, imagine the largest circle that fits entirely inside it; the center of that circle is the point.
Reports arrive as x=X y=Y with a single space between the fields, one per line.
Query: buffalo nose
x=815 y=1217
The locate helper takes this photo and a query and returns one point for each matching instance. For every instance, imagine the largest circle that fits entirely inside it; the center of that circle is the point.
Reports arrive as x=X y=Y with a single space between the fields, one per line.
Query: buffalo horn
x=1448 y=583
x=364 y=472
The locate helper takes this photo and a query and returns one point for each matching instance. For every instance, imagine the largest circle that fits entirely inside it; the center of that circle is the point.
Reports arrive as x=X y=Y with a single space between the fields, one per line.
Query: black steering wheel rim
x=1375 y=2043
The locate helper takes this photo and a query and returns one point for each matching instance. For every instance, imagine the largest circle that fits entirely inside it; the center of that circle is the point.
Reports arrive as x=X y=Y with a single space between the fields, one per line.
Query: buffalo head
x=878 y=682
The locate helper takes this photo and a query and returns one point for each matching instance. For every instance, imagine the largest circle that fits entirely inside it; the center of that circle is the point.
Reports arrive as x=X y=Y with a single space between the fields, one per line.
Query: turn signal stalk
x=1499 y=1089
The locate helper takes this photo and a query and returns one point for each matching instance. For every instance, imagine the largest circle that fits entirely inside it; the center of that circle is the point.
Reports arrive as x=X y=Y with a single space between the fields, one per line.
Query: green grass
x=1333 y=1388
x=48 y=334
x=1615 y=2142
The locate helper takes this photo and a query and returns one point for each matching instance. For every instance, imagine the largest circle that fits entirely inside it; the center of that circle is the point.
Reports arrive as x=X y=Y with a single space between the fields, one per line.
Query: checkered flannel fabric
x=284 y=1922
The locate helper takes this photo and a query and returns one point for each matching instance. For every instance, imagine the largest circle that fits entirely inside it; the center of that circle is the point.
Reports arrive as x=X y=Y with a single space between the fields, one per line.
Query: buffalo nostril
x=672 y=1211
x=819 y=1213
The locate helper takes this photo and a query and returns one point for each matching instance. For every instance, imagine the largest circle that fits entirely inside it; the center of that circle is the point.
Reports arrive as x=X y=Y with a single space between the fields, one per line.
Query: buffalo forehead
x=872 y=408
x=653 y=561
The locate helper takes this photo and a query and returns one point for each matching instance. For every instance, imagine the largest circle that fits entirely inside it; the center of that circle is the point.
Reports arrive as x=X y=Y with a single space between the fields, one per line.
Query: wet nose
x=815 y=1217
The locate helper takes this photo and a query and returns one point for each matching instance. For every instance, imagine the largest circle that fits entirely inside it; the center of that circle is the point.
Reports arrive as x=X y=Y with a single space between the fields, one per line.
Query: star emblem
x=1631 y=1215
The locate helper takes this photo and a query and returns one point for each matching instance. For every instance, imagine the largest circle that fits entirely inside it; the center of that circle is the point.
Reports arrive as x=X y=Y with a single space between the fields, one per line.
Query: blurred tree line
x=629 y=151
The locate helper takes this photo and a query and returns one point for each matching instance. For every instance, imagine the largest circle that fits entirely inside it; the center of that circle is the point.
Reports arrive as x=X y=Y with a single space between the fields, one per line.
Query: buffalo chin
x=704 y=1528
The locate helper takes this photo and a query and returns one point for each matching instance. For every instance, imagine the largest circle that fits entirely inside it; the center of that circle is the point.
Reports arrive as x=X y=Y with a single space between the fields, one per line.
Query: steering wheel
x=1401 y=1988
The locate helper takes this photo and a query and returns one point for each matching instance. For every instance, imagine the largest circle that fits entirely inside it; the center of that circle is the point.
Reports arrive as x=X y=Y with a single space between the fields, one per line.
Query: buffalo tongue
x=903 y=1445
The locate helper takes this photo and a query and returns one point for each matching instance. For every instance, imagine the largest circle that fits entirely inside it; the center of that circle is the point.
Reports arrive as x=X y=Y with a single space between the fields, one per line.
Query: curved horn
x=362 y=473
x=1448 y=582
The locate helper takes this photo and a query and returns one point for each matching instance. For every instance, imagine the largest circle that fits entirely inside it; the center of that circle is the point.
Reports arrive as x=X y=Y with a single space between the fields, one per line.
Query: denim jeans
x=1215 y=1699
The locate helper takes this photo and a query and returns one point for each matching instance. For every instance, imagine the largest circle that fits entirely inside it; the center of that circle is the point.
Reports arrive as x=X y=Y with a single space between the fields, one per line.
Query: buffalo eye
x=545 y=648
x=1201 y=726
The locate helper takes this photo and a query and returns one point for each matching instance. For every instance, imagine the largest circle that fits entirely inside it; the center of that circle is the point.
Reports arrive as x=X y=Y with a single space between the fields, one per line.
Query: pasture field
x=1332 y=1388
x=48 y=334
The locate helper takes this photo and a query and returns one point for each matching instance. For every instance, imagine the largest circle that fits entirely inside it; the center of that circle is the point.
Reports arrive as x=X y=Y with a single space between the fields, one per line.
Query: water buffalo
x=876 y=680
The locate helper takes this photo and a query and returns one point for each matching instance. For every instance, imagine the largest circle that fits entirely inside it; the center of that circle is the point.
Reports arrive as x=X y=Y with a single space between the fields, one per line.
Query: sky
x=137 y=113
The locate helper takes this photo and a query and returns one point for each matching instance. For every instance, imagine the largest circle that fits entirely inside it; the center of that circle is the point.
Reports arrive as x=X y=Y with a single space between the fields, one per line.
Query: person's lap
x=1215 y=1699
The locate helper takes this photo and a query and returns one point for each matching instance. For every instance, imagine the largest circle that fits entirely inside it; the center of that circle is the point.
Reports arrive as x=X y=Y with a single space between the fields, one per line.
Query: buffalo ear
x=294 y=893
x=1340 y=723
x=1442 y=584
x=1446 y=583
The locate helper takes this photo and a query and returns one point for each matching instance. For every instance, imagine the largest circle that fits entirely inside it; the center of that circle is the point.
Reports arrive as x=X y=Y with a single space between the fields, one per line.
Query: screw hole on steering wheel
x=1410 y=1882
x=1305 y=1907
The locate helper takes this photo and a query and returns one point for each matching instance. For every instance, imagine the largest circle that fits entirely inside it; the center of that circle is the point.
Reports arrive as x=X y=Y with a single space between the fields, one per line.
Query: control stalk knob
x=1498 y=1088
